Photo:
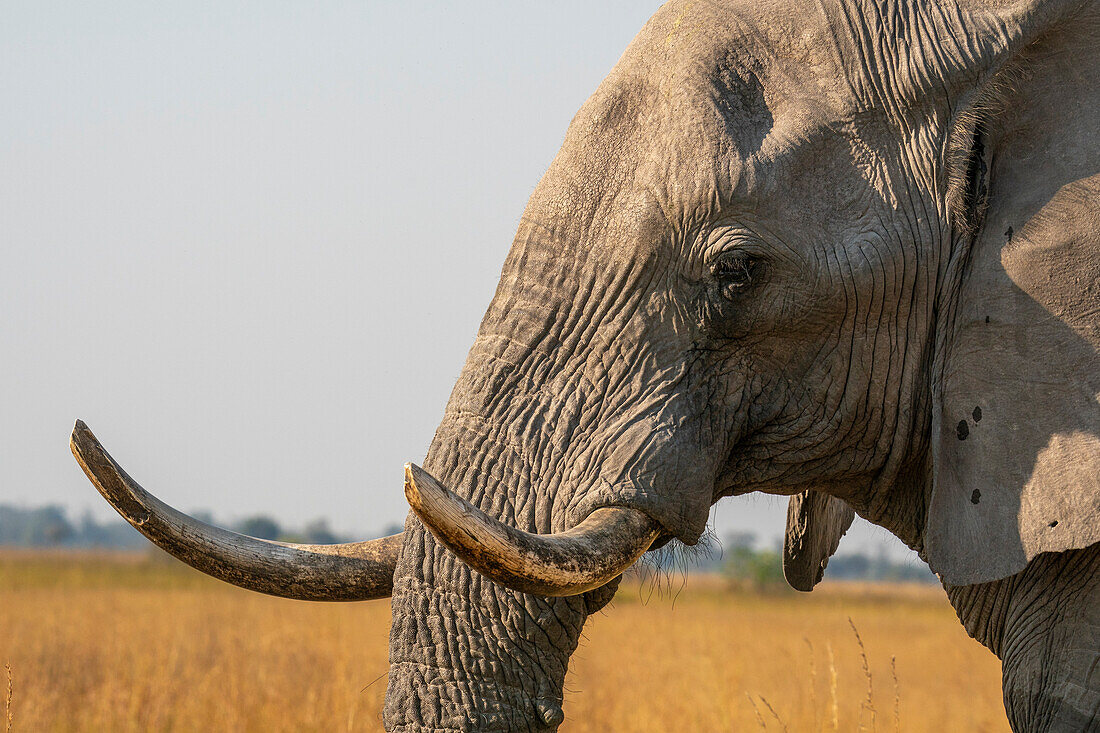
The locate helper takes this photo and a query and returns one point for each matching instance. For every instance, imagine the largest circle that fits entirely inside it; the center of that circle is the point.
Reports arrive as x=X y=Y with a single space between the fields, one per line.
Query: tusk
x=596 y=551
x=356 y=571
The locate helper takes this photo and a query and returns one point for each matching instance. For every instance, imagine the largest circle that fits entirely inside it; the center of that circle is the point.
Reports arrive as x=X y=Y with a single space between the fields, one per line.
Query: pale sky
x=249 y=243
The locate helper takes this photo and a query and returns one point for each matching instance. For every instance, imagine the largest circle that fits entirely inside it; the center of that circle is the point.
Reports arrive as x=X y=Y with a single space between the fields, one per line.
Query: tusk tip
x=83 y=443
x=108 y=478
x=82 y=440
x=412 y=492
x=80 y=433
x=424 y=493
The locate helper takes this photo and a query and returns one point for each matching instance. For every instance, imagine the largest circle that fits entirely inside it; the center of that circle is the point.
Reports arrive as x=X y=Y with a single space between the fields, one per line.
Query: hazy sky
x=250 y=242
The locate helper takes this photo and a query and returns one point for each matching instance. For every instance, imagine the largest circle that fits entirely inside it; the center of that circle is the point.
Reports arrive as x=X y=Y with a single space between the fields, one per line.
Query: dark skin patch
x=1053 y=524
x=962 y=430
x=975 y=497
x=977 y=414
x=739 y=97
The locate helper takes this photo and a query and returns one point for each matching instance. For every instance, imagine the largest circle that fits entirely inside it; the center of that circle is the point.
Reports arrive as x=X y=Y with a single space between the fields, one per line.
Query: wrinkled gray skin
x=774 y=255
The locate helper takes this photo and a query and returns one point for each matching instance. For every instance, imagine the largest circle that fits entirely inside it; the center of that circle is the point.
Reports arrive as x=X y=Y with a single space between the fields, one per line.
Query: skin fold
x=846 y=251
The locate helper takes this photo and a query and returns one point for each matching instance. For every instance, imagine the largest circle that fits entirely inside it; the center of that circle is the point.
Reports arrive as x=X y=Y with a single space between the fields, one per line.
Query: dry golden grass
x=117 y=643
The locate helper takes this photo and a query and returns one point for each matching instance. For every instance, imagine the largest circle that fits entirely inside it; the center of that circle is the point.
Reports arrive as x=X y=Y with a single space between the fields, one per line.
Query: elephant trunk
x=467 y=654
x=565 y=422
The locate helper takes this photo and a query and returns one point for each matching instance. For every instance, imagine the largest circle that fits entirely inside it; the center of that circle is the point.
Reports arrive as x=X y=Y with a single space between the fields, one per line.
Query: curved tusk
x=356 y=571
x=568 y=563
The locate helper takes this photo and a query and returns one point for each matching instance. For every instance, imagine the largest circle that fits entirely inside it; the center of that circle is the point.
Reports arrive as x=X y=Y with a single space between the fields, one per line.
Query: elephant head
x=767 y=258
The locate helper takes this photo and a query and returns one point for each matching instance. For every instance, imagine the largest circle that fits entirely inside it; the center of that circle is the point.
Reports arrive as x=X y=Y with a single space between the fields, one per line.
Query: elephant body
x=846 y=251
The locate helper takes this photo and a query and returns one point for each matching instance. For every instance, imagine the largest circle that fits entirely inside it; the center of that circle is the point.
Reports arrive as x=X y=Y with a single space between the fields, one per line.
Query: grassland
x=135 y=643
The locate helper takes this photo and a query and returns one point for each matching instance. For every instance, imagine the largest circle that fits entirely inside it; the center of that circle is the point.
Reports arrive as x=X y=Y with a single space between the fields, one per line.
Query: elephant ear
x=815 y=524
x=1016 y=431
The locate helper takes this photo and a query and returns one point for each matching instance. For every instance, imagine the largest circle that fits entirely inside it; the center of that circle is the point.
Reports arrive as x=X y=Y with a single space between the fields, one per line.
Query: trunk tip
x=550 y=711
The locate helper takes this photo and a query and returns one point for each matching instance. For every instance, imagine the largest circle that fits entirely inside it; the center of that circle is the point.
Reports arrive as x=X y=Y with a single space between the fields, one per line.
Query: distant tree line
x=50 y=526
x=742 y=560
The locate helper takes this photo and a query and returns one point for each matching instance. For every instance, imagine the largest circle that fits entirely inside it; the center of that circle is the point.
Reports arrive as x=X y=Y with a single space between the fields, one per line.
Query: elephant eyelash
x=969 y=156
x=975 y=194
x=968 y=173
x=735 y=272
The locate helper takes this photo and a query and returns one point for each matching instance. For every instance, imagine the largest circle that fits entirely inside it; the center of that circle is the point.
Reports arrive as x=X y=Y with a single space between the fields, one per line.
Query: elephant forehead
x=689 y=76
x=714 y=111
x=709 y=102
x=840 y=58
x=691 y=50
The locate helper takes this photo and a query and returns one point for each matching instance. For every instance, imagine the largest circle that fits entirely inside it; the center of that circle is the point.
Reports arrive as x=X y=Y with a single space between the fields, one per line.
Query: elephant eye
x=735 y=272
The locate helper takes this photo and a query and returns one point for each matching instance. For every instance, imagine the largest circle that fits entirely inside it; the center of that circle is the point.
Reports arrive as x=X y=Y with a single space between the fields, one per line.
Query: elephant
x=844 y=251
